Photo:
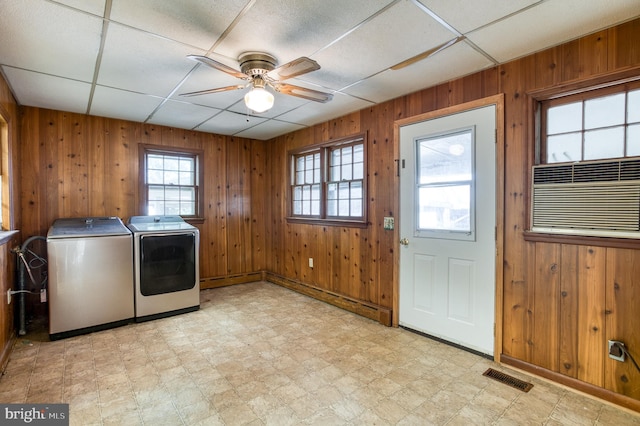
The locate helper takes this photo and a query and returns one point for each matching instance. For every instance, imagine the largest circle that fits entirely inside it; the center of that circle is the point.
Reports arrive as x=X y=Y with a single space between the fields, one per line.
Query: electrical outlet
x=311 y=262
x=616 y=350
x=9 y=297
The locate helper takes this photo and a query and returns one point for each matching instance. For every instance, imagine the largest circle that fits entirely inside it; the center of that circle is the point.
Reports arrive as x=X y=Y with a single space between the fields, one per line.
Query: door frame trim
x=498 y=101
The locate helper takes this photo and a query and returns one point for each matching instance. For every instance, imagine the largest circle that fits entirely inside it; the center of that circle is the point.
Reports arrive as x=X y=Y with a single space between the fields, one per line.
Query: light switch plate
x=389 y=223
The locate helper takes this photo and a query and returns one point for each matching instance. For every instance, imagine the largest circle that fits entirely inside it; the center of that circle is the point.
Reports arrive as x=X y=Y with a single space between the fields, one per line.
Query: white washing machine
x=166 y=266
x=90 y=263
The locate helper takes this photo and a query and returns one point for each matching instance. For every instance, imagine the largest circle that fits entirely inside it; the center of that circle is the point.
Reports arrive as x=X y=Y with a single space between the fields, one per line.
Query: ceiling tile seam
x=231 y=26
x=96 y=69
x=365 y=21
x=240 y=15
x=451 y=28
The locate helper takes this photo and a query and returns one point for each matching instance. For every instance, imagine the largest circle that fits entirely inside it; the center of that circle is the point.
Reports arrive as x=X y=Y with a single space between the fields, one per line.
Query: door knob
x=404 y=241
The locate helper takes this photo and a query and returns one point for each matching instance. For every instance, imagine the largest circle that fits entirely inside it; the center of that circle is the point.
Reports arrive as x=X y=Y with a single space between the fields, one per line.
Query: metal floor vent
x=508 y=380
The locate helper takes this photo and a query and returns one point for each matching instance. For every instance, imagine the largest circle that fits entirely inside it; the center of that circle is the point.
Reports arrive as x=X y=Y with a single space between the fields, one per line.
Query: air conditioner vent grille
x=592 y=198
x=600 y=171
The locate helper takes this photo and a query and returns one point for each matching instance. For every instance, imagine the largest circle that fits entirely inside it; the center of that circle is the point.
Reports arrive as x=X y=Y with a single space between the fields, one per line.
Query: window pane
x=358 y=153
x=171 y=178
x=155 y=193
x=343 y=191
x=186 y=178
x=155 y=161
x=187 y=209
x=356 y=190
x=564 y=148
x=445 y=159
x=605 y=111
x=564 y=118
x=335 y=157
x=172 y=193
x=172 y=208
x=299 y=177
x=156 y=208
x=315 y=207
x=356 y=208
x=347 y=155
x=633 y=106
x=332 y=207
x=332 y=191
x=171 y=163
x=346 y=171
x=155 y=176
x=308 y=178
x=297 y=207
x=445 y=208
x=335 y=174
x=605 y=143
x=186 y=165
x=343 y=207
x=187 y=194
x=297 y=193
x=633 y=140
x=358 y=170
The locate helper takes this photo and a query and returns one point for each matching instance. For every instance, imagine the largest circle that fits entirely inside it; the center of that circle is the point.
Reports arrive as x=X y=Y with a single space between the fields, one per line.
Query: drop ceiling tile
x=550 y=23
x=289 y=29
x=121 y=104
x=63 y=42
x=269 y=129
x=140 y=62
x=465 y=16
x=453 y=62
x=47 y=91
x=92 y=6
x=313 y=112
x=229 y=123
x=399 y=33
x=197 y=22
x=182 y=115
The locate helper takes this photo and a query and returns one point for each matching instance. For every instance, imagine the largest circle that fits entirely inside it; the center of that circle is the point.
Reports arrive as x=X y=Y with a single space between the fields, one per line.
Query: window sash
x=328 y=182
x=171 y=182
x=591 y=125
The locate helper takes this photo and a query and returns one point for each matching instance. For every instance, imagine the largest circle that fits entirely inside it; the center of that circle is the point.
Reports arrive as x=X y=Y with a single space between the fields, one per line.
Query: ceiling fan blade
x=218 y=65
x=294 y=68
x=426 y=54
x=219 y=89
x=302 y=92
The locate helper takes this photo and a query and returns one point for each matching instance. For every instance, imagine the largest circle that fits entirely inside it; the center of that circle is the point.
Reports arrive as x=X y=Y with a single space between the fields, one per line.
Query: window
x=592 y=125
x=171 y=182
x=444 y=185
x=328 y=182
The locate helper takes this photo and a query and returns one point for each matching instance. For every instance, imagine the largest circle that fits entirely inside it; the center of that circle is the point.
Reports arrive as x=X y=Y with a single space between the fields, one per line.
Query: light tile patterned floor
x=259 y=354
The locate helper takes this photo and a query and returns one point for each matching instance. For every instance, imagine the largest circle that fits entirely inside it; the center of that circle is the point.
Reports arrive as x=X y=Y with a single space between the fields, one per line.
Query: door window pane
x=445 y=167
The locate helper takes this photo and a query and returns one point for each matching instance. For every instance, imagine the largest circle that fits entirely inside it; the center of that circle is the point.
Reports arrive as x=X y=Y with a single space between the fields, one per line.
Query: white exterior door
x=448 y=227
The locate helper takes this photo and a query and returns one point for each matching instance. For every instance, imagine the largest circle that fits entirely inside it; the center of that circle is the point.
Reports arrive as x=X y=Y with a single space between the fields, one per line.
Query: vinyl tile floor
x=260 y=354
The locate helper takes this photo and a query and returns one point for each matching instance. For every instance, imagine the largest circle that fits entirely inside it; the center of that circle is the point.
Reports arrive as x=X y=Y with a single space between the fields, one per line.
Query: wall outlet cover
x=388 y=223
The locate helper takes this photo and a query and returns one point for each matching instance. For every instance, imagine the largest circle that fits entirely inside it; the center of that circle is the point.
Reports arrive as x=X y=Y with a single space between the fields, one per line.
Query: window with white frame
x=328 y=181
x=592 y=125
x=171 y=182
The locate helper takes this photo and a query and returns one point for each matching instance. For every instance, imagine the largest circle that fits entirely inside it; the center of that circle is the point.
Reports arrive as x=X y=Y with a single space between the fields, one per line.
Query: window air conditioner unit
x=598 y=198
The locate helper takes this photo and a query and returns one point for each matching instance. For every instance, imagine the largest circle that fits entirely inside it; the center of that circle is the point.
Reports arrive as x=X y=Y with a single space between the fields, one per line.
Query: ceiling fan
x=261 y=70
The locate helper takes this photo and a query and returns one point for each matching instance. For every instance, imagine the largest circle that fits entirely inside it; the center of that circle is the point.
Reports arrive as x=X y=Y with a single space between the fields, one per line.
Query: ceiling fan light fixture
x=258 y=99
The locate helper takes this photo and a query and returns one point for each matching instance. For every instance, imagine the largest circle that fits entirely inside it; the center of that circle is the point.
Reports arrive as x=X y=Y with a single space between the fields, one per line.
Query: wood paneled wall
x=10 y=189
x=74 y=165
x=561 y=301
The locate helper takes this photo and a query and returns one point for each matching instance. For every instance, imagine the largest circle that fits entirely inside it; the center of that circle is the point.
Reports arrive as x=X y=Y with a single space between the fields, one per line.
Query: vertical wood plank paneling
x=590 y=314
x=258 y=205
x=515 y=78
x=569 y=302
x=624 y=47
x=622 y=302
x=546 y=306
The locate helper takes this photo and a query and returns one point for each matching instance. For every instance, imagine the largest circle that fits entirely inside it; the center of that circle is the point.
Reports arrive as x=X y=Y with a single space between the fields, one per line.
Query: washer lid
x=87 y=227
x=160 y=226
